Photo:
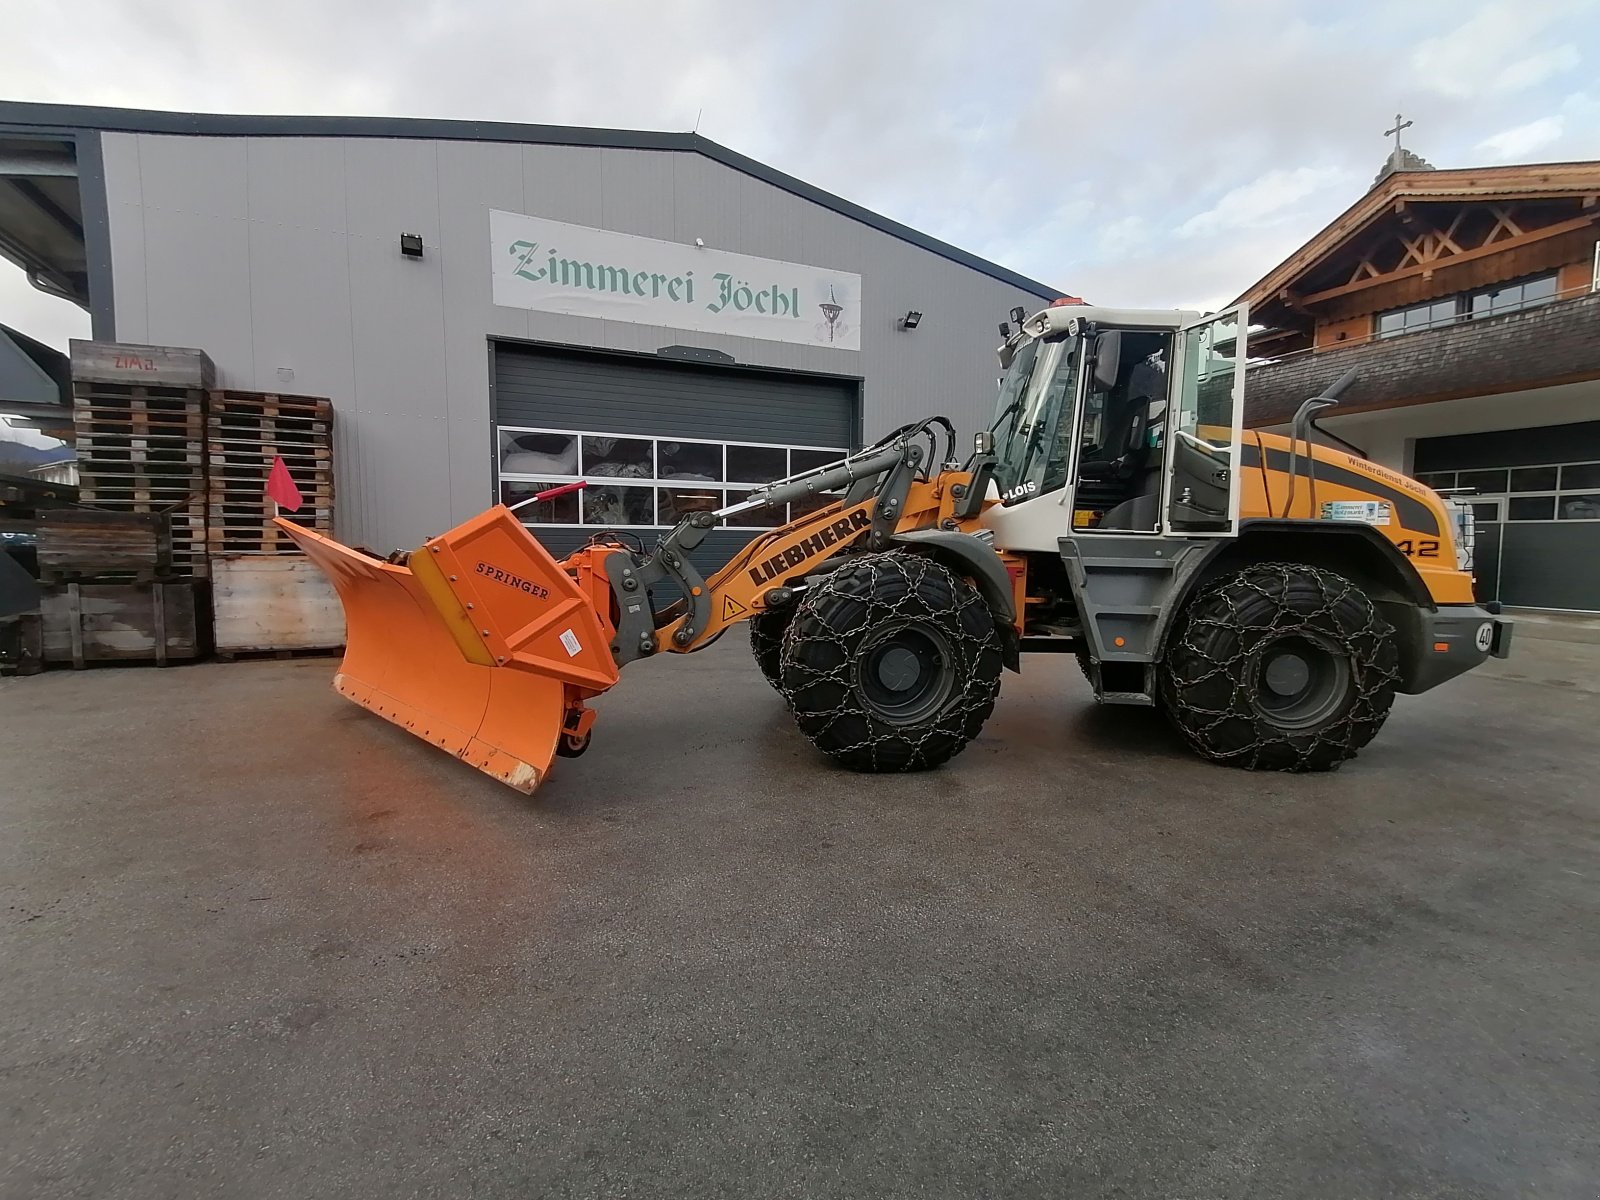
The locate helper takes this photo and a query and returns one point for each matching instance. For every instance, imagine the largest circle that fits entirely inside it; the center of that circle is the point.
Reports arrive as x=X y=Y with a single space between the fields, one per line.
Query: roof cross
x=1395 y=133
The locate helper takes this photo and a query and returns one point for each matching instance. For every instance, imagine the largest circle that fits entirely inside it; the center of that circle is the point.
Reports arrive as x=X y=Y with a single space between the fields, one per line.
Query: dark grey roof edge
x=137 y=120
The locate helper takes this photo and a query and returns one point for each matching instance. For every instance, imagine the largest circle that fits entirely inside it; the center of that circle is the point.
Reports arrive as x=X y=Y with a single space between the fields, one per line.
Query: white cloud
x=1492 y=51
x=1268 y=199
x=1536 y=68
x=1511 y=144
x=1133 y=157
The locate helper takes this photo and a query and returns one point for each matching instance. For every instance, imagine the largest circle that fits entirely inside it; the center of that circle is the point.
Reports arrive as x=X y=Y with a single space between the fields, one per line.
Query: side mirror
x=983 y=443
x=1107 y=358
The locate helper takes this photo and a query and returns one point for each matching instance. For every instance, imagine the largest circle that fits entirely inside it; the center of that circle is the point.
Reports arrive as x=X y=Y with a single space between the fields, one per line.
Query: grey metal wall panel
x=197 y=281
x=125 y=216
x=472 y=177
x=234 y=244
x=636 y=193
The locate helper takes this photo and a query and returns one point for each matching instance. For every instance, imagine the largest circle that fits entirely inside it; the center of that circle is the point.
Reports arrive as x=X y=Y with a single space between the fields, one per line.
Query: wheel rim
x=904 y=674
x=1301 y=682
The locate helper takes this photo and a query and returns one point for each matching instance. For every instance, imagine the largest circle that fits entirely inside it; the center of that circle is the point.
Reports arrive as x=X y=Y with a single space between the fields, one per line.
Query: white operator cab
x=1118 y=421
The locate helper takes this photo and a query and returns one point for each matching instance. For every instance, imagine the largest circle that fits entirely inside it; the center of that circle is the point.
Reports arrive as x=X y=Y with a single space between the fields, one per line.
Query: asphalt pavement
x=255 y=942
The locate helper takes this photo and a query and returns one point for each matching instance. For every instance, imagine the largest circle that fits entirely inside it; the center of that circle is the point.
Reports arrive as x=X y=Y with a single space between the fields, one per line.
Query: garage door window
x=1553 y=492
x=645 y=482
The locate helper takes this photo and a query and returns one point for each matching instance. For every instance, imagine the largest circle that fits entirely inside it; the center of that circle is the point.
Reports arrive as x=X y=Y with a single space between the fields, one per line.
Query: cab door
x=1204 y=431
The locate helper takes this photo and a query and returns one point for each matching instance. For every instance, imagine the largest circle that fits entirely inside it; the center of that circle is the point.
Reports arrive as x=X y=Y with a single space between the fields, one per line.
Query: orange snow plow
x=479 y=643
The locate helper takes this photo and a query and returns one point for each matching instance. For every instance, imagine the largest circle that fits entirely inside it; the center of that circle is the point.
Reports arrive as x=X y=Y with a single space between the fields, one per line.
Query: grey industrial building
x=494 y=308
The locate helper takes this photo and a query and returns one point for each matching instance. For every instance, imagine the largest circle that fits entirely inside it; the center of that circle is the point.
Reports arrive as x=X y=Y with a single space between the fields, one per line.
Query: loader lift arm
x=877 y=485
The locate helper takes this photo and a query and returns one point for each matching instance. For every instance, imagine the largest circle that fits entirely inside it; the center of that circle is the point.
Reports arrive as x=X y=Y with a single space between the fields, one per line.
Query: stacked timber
x=119 y=572
x=245 y=432
x=138 y=418
x=267 y=597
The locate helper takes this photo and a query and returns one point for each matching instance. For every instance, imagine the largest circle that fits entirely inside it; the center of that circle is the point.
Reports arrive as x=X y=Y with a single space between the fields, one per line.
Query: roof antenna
x=697 y=117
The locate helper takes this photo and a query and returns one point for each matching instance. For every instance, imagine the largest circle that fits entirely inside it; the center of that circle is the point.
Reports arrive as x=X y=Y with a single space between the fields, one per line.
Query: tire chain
x=967 y=625
x=1373 y=675
x=766 y=644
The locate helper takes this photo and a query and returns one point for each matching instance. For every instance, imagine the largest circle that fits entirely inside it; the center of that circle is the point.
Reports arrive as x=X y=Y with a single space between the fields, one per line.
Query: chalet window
x=1489 y=302
x=1418 y=316
x=1509 y=297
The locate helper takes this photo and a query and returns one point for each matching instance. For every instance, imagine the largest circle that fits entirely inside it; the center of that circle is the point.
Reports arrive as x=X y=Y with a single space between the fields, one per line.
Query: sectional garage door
x=654 y=439
x=1535 y=494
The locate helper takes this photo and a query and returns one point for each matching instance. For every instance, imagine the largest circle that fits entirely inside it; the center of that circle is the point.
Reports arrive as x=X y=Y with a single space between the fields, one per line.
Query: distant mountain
x=17 y=456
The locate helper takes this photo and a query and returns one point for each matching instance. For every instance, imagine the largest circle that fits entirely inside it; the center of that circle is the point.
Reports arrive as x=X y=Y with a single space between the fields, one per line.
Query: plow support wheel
x=482 y=644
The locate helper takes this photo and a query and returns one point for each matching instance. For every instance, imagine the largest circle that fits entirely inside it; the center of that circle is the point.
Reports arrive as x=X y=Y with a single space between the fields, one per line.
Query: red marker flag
x=281 y=488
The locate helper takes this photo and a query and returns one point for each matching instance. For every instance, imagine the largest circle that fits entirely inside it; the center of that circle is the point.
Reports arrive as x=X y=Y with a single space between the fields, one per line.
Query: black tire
x=892 y=663
x=766 y=643
x=1280 y=667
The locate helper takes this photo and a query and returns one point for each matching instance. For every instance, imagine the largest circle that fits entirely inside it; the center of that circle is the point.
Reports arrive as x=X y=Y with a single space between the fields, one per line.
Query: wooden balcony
x=1552 y=344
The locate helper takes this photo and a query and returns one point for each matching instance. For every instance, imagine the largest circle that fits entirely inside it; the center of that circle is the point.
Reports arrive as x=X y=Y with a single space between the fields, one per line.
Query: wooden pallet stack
x=138 y=418
x=245 y=431
x=266 y=596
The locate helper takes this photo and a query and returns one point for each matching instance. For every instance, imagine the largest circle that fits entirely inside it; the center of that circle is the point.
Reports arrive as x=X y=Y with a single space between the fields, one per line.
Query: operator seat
x=1141 y=463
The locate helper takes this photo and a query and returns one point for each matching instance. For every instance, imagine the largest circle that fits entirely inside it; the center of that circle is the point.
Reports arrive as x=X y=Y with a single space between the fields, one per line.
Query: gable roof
x=69 y=118
x=1527 y=181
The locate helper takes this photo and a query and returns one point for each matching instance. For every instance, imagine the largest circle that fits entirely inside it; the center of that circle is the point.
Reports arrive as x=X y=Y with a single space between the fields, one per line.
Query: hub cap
x=1301 y=682
x=905 y=674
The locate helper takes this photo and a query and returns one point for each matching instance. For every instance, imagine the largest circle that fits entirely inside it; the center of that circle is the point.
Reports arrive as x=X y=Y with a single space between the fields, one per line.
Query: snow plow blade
x=481 y=644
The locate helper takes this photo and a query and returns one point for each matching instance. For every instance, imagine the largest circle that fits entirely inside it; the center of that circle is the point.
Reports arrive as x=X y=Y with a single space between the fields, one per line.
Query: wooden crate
x=88 y=623
x=276 y=602
x=128 y=362
x=81 y=543
x=141 y=449
x=245 y=431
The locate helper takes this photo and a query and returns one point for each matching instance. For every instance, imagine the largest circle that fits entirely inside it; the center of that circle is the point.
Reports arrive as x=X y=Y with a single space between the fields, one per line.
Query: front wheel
x=892 y=663
x=1280 y=667
x=766 y=643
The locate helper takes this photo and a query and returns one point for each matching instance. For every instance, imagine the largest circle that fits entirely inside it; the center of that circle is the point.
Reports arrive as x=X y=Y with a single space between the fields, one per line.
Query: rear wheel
x=892 y=663
x=766 y=642
x=1281 y=667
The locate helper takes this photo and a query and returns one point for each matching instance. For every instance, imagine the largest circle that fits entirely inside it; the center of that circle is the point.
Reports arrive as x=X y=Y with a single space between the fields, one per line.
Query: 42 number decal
x=1420 y=548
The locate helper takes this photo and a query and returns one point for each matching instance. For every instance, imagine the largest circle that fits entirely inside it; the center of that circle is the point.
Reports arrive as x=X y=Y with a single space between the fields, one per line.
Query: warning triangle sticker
x=731 y=608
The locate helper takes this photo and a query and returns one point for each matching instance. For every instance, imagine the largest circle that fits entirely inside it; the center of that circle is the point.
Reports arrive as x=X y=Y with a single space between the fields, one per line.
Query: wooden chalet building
x=1469 y=301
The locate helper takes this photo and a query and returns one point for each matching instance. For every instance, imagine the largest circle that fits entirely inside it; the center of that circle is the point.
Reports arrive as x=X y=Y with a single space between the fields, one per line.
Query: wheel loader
x=1269 y=594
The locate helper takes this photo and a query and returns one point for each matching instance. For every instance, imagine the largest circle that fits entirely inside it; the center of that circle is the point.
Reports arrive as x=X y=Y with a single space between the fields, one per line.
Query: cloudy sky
x=1147 y=152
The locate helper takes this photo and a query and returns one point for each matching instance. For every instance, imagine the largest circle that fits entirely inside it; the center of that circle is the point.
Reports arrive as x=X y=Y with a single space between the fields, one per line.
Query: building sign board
x=552 y=266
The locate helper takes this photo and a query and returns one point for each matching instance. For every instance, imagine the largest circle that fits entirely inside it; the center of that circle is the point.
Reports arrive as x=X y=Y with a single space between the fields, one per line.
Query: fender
x=1224 y=553
x=976 y=559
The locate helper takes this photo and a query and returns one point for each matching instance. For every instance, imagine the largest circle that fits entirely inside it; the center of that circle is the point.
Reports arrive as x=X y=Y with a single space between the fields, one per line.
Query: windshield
x=1033 y=419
